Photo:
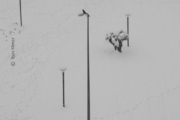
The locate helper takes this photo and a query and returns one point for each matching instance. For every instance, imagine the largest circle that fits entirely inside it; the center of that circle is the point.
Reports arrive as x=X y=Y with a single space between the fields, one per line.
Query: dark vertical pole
x=128 y=30
x=63 y=91
x=88 y=72
x=20 y=12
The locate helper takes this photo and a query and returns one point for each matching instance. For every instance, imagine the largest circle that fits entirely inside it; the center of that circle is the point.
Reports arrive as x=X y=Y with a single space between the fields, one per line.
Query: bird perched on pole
x=84 y=12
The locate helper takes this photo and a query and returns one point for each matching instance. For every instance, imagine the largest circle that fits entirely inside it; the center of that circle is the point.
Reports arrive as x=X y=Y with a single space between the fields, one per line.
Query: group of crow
x=116 y=39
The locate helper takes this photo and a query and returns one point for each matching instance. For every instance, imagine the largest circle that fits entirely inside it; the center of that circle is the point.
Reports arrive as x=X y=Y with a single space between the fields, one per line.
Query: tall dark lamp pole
x=20 y=12
x=63 y=69
x=128 y=27
x=88 y=67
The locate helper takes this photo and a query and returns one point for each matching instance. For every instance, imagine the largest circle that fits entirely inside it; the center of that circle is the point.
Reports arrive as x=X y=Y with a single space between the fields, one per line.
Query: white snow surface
x=141 y=83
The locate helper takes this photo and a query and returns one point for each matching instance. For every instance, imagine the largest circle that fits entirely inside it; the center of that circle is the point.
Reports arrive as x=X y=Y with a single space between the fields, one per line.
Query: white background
x=141 y=83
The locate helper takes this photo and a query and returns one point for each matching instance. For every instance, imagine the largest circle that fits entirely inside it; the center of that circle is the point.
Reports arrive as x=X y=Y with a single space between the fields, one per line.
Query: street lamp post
x=20 y=12
x=63 y=69
x=88 y=67
x=128 y=27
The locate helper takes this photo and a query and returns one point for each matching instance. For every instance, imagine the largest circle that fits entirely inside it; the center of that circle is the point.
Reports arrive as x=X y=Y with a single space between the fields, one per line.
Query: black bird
x=84 y=12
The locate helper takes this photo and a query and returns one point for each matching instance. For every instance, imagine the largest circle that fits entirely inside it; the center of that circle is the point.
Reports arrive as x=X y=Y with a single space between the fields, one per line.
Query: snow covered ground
x=141 y=83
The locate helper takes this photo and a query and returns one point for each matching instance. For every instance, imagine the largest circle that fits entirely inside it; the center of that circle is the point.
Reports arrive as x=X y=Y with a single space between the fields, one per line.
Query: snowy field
x=141 y=83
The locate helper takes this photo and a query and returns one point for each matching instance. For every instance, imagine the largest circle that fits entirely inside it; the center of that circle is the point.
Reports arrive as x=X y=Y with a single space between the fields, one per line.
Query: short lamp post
x=128 y=27
x=63 y=69
x=20 y=12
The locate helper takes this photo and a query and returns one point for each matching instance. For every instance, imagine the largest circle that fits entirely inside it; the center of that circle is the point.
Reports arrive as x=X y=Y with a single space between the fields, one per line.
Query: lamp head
x=128 y=14
x=81 y=14
x=63 y=69
x=84 y=13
